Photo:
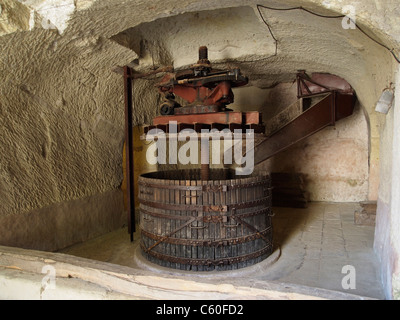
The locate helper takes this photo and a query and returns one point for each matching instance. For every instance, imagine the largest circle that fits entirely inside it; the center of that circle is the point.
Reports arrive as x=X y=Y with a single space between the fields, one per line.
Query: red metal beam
x=308 y=123
x=211 y=118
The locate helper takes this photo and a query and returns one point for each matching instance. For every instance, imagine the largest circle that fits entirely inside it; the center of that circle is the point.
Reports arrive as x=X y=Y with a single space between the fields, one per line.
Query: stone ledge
x=21 y=272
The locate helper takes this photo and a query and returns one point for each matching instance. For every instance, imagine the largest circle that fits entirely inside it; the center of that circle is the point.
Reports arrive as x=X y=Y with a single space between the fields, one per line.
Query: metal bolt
x=203 y=53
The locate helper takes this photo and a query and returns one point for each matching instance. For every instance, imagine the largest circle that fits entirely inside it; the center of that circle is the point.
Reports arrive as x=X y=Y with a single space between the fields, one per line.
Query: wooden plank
x=175 y=197
x=217 y=231
x=247 y=246
x=206 y=118
x=179 y=248
x=155 y=224
x=228 y=230
x=223 y=231
x=183 y=231
x=200 y=224
x=188 y=234
x=161 y=224
x=167 y=222
x=258 y=221
x=234 y=232
x=144 y=225
x=193 y=231
x=207 y=250
x=142 y=215
x=239 y=199
x=184 y=213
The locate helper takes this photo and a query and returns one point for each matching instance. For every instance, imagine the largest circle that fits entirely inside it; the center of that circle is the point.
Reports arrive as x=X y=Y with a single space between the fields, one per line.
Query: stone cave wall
x=61 y=105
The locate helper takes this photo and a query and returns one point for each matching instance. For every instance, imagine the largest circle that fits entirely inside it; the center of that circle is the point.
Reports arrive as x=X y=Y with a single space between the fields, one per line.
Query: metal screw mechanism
x=203 y=65
x=203 y=53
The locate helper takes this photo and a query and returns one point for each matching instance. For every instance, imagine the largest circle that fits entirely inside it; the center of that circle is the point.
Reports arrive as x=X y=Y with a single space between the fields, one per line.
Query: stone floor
x=311 y=248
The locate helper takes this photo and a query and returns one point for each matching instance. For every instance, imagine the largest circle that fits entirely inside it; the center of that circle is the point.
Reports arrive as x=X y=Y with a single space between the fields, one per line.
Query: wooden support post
x=129 y=150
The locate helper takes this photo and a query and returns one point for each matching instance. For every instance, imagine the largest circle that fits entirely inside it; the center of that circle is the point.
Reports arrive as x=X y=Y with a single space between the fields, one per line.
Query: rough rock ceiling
x=239 y=37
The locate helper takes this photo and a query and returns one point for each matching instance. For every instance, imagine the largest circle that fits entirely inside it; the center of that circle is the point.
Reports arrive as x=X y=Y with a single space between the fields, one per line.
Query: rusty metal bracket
x=215 y=208
x=209 y=242
x=169 y=235
x=207 y=219
x=197 y=228
x=252 y=228
x=213 y=188
x=231 y=225
x=165 y=216
x=212 y=219
x=251 y=204
x=208 y=187
x=320 y=83
x=209 y=208
x=191 y=196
